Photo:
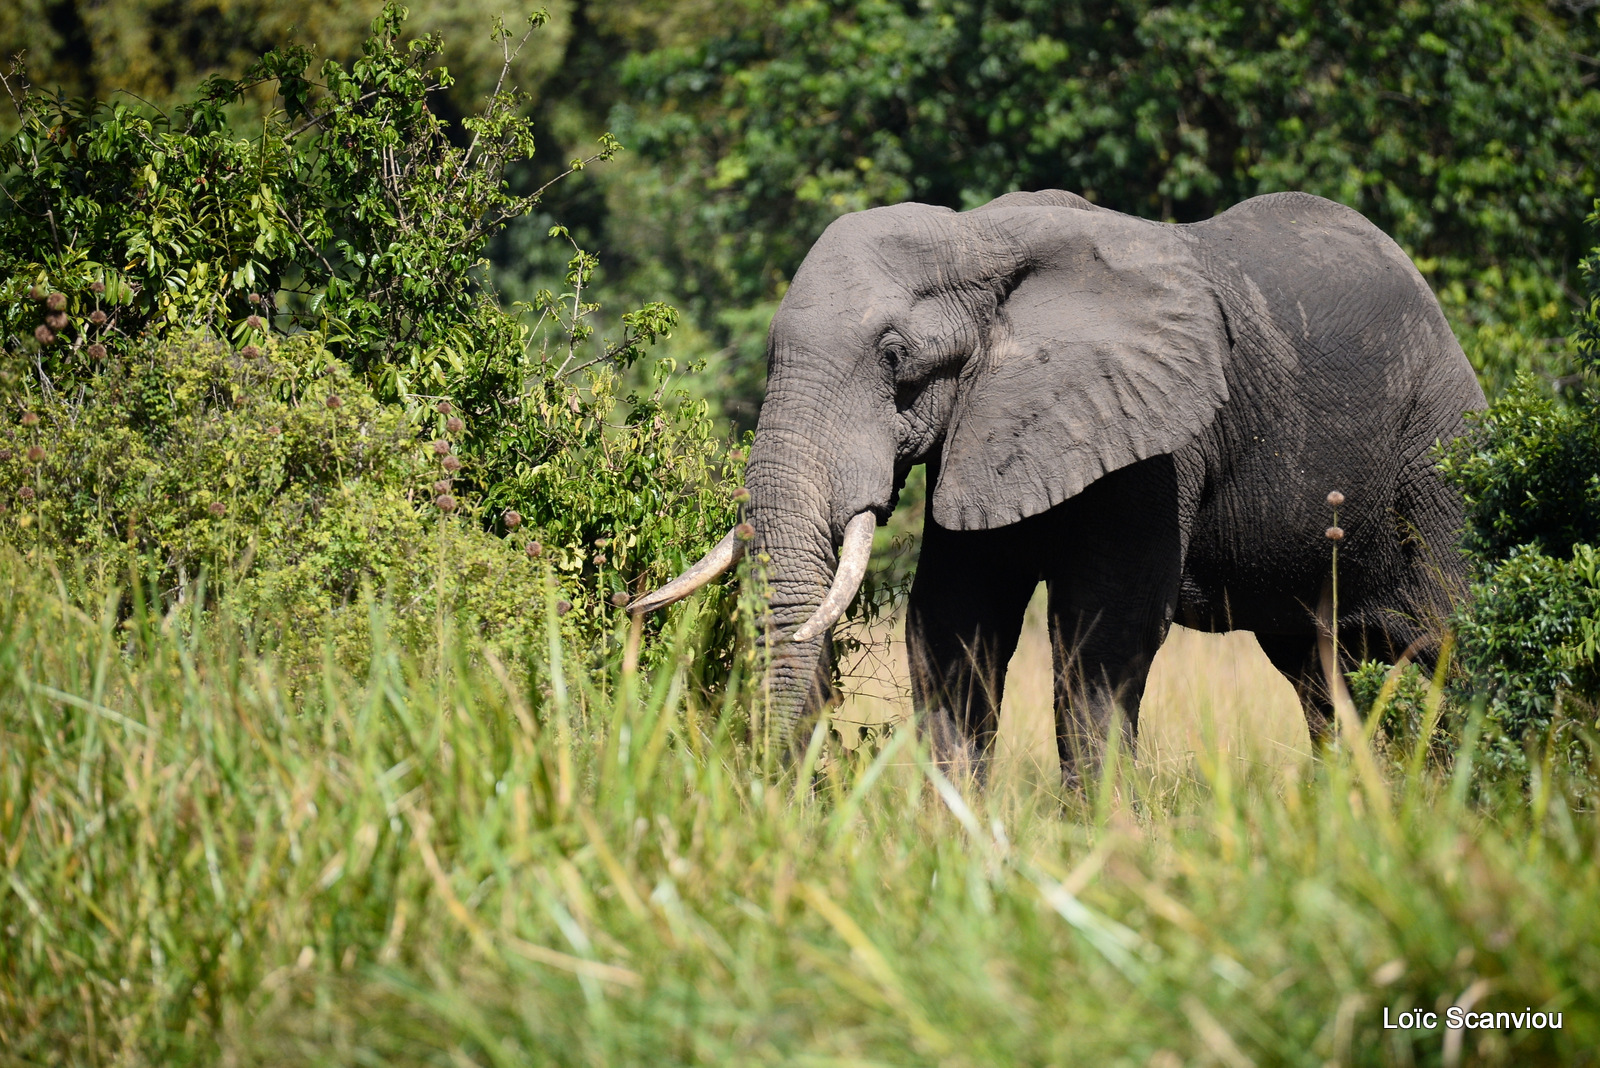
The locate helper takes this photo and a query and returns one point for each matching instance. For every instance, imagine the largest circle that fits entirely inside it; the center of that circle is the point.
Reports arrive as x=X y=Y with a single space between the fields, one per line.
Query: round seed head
x=218 y=508
x=255 y=322
x=535 y=550
x=254 y=298
x=274 y=431
x=443 y=407
x=97 y=317
x=512 y=519
x=744 y=532
x=35 y=455
x=1335 y=534
x=37 y=293
x=451 y=464
x=445 y=502
x=441 y=448
x=563 y=607
x=442 y=486
x=599 y=559
x=619 y=598
x=334 y=402
x=5 y=454
x=25 y=493
x=97 y=351
x=43 y=334
x=250 y=352
x=30 y=418
x=56 y=301
x=1335 y=499
x=56 y=320
x=454 y=425
x=741 y=495
x=97 y=287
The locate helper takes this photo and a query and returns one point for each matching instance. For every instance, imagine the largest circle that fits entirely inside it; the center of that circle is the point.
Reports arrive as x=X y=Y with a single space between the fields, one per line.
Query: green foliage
x=162 y=50
x=349 y=212
x=334 y=244
x=1530 y=635
x=1399 y=698
x=277 y=477
x=1529 y=472
x=405 y=866
x=1530 y=645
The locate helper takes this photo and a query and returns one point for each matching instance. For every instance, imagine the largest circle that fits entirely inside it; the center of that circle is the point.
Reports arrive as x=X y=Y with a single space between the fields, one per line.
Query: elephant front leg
x=964 y=618
x=1113 y=574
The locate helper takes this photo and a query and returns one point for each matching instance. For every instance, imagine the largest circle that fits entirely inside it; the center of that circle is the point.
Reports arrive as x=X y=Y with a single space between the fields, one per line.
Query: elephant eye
x=893 y=353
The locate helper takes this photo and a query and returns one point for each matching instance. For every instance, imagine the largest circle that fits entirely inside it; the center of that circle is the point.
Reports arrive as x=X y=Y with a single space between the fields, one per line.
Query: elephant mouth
x=854 y=553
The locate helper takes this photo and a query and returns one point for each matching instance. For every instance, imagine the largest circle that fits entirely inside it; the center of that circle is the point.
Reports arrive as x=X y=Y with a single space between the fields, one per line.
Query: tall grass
x=454 y=862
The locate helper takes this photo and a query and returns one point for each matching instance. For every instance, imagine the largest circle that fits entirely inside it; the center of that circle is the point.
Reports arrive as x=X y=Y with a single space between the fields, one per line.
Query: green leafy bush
x=1529 y=637
x=1529 y=473
x=1530 y=645
x=174 y=286
x=276 y=476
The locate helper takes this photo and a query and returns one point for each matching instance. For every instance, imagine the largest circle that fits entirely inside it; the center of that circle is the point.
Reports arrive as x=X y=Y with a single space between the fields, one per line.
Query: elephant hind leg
x=1296 y=656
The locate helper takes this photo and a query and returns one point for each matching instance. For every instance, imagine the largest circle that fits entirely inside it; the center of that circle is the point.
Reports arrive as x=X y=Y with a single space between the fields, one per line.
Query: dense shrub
x=1529 y=637
x=179 y=294
x=276 y=476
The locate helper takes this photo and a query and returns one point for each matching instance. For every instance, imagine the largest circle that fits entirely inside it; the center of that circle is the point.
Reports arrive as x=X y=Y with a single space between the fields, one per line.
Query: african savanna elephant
x=1147 y=417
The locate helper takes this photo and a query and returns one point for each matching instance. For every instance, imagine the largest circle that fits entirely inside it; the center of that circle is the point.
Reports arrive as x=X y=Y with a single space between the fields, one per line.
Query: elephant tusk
x=853 y=556
x=722 y=556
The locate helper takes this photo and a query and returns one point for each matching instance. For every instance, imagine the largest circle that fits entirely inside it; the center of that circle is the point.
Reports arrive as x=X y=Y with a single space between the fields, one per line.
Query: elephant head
x=1027 y=348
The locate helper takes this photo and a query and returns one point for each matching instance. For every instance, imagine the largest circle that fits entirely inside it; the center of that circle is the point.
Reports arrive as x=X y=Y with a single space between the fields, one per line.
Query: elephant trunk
x=817 y=478
x=794 y=542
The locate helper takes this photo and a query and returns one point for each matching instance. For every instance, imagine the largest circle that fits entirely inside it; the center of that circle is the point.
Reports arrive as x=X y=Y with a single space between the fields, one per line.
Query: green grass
x=206 y=862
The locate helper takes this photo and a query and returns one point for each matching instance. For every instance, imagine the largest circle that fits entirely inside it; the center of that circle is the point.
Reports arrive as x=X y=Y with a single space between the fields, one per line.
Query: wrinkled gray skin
x=1147 y=417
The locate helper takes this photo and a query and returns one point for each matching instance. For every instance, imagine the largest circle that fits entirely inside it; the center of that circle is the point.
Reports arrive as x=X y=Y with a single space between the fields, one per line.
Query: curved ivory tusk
x=722 y=556
x=853 y=558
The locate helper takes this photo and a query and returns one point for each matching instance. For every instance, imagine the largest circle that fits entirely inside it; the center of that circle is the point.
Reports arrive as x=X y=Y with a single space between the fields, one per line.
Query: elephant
x=1148 y=417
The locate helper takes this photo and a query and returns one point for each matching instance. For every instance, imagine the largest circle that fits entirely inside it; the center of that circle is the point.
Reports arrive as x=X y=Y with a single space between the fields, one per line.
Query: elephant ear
x=1108 y=349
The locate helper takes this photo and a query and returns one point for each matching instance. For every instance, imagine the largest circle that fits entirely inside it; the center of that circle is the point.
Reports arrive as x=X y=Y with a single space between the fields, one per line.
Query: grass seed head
x=25 y=493
x=97 y=317
x=1335 y=499
x=334 y=402
x=1335 y=533
x=454 y=425
x=97 y=351
x=451 y=464
x=445 y=503
x=441 y=448
x=619 y=598
x=43 y=334
x=250 y=352
x=535 y=550
x=56 y=301
x=563 y=607
x=744 y=532
x=35 y=455
x=218 y=508
x=97 y=287
x=255 y=322
x=512 y=519
x=30 y=419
